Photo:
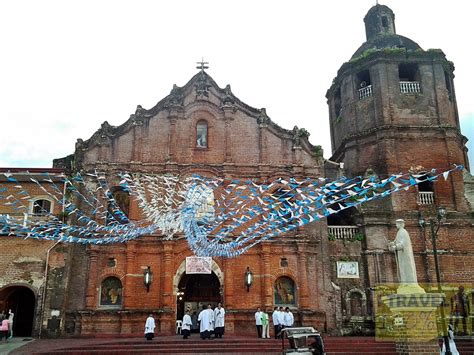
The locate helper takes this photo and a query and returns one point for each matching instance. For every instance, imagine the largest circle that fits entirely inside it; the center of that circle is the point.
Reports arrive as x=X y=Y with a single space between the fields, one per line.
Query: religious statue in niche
x=111 y=292
x=285 y=291
x=201 y=135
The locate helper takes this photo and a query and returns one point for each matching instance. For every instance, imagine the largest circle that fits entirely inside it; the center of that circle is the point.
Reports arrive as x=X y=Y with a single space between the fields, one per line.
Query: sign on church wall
x=198 y=265
x=347 y=269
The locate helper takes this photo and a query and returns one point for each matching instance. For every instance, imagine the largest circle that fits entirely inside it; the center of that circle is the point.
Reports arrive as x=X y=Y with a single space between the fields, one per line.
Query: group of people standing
x=280 y=318
x=210 y=321
x=6 y=325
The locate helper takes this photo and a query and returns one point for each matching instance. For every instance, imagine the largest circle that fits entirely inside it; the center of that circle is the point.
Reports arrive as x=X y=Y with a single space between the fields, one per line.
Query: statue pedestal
x=410 y=289
x=415 y=328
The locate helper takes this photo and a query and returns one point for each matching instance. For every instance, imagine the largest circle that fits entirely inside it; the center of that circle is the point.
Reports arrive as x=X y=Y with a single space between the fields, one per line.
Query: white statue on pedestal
x=405 y=260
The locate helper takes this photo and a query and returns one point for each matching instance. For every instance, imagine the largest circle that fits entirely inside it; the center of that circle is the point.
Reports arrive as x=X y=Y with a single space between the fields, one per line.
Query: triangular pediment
x=201 y=89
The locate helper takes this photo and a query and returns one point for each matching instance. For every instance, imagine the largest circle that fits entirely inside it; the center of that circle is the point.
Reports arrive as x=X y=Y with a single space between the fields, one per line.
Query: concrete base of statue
x=414 y=326
x=409 y=289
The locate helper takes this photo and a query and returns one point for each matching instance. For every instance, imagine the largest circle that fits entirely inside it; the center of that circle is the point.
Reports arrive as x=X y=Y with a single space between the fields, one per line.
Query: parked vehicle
x=302 y=341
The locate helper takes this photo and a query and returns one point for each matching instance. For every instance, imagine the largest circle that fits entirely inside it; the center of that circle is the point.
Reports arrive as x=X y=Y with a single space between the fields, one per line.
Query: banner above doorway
x=198 y=265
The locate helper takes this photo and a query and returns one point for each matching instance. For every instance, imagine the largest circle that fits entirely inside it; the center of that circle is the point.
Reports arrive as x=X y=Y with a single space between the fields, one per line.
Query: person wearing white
x=10 y=323
x=276 y=322
x=219 y=320
x=211 y=315
x=206 y=318
x=288 y=318
x=258 y=322
x=150 y=327
x=452 y=345
x=281 y=318
x=265 y=326
x=186 y=326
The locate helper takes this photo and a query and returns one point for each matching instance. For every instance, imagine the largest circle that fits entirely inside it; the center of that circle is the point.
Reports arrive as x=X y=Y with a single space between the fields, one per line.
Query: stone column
x=262 y=140
x=175 y=112
x=172 y=138
x=228 y=118
x=303 y=275
x=92 y=291
x=128 y=290
x=167 y=319
x=167 y=276
x=228 y=283
x=267 y=277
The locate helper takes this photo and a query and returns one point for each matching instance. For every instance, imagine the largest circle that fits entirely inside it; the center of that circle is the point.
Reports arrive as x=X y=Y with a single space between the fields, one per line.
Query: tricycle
x=302 y=341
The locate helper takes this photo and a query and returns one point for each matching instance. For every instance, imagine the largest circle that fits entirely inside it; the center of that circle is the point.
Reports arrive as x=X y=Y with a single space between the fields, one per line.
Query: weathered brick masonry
x=380 y=130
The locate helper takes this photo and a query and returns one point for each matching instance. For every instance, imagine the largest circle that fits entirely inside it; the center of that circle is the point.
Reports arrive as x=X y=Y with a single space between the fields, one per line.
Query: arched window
x=118 y=209
x=449 y=85
x=111 y=292
x=425 y=190
x=201 y=134
x=285 y=291
x=41 y=207
x=409 y=76
x=364 y=84
x=356 y=304
x=426 y=185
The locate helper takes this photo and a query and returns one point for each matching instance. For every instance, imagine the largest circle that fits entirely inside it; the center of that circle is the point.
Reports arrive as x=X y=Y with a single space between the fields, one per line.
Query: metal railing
x=410 y=87
x=425 y=198
x=365 y=92
x=343 y=232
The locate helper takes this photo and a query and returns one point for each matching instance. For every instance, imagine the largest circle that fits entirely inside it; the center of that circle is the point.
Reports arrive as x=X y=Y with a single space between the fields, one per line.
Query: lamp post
x=147 y=278
x=248 y=278
x=434 y=225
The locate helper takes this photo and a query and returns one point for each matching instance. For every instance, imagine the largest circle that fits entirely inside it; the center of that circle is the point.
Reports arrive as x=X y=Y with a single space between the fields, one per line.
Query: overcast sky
x=66 y=67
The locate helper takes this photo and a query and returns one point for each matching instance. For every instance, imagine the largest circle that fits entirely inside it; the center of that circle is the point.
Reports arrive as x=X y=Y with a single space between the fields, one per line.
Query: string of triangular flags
x=218 y=217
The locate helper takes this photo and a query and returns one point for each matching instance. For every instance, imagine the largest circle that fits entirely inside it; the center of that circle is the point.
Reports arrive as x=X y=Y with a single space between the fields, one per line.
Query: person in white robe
x=150 y=327
x=187 y=324
x=219 y=320
x=288 y=318
x=276 y=322
x=452 y=344
x=281 y=319
x=206 y=319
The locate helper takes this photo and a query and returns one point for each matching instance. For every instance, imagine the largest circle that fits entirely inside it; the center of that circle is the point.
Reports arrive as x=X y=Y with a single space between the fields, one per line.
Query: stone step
x=233 y=345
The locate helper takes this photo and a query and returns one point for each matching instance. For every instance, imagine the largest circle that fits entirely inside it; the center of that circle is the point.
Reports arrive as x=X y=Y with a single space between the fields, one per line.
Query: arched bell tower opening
x=22 y=301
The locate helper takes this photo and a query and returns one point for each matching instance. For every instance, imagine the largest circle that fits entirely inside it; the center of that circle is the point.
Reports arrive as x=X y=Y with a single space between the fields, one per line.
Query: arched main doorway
x=22 y=301
x=196 y=290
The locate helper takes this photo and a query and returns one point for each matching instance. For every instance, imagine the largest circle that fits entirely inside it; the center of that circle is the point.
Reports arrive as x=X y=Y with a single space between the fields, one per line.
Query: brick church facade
x=392 y=108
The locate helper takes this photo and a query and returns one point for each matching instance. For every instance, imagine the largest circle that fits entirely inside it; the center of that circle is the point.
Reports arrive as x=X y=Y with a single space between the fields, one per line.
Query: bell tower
x=393 y=108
